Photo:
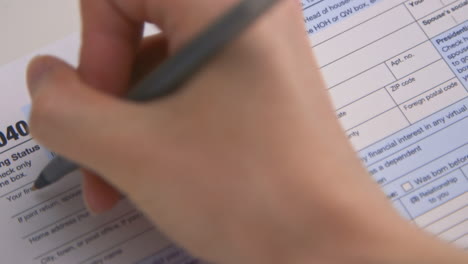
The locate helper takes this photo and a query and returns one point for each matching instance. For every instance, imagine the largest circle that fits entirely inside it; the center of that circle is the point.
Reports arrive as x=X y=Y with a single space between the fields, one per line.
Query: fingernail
x=89 y=208
x=98 y=202
x=38 y=69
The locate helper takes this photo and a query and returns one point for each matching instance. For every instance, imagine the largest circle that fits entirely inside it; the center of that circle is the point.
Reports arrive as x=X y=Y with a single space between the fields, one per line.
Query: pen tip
x=40 y=182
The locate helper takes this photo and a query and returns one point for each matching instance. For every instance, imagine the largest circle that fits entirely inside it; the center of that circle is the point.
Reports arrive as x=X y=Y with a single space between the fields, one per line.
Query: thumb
x=75 y=120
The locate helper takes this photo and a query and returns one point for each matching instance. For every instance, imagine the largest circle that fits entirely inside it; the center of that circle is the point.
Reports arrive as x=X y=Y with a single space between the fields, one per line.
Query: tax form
x=397 y=73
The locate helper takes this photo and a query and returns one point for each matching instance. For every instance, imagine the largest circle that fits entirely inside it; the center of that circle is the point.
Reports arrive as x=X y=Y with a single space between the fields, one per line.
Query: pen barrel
x=57 y=168
x=183 y=65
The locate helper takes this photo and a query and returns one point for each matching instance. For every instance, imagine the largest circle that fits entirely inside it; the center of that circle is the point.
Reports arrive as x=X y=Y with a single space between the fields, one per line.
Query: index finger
x=112 y=32
x=109 y=43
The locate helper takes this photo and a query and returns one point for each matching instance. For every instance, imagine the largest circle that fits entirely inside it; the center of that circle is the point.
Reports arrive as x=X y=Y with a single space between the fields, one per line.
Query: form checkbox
x=407 y=186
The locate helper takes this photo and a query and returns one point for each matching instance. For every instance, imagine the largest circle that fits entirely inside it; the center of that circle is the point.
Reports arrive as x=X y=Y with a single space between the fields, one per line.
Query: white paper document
x=397 y=72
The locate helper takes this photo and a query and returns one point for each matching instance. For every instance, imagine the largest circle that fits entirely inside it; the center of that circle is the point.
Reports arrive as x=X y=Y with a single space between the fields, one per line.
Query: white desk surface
x=26 y=25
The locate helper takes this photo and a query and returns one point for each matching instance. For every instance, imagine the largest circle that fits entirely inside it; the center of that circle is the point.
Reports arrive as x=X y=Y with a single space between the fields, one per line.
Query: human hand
x=245 y=164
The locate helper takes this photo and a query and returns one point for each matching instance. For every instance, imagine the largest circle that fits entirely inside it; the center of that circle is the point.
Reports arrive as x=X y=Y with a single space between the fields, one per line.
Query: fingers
x=98 y=195
x=112 y=28
x=75 y=120
x=110 y=40
x=109 y=44
x=153 y=51
x=179 y=19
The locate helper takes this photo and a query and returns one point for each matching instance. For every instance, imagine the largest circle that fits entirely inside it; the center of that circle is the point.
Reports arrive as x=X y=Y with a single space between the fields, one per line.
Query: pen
x=176 y=70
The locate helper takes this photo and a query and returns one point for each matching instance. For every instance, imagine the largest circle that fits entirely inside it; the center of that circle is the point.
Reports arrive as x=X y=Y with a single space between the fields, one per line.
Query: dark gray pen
x=178 y=69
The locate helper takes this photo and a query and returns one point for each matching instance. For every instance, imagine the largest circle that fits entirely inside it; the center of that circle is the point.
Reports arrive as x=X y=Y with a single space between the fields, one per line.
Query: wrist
x=410 y=244
x=387 y=239
x=395 y=242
